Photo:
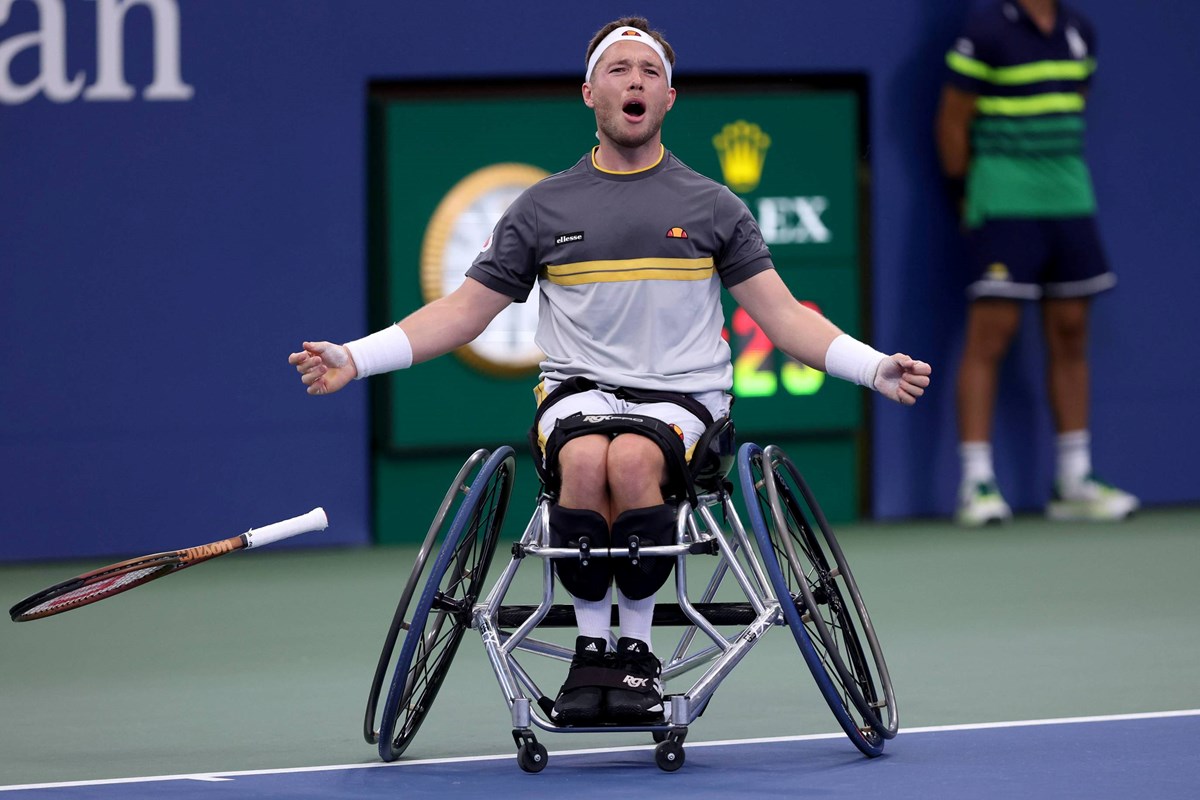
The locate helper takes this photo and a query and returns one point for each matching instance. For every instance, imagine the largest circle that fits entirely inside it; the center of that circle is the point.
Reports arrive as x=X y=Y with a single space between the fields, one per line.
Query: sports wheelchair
x=793 y=574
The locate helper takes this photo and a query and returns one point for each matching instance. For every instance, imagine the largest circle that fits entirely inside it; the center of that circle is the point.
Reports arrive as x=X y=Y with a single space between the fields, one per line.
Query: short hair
x=642 y=24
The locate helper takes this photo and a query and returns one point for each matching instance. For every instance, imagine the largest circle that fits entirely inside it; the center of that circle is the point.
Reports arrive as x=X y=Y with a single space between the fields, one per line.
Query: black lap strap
x=577 y=385
x=686 y=401
x=666 y=436
x=565 y=389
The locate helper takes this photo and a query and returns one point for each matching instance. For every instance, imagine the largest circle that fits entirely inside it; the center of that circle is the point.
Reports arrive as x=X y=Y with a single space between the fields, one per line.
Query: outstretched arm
x=812 y=339
x=430 y=331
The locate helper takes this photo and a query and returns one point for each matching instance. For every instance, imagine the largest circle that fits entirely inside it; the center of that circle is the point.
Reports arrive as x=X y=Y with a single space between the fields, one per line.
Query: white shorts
x=601 y=402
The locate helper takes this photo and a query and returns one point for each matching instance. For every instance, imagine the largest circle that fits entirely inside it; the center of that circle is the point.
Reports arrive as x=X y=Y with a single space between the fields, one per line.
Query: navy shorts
x=1031 y=259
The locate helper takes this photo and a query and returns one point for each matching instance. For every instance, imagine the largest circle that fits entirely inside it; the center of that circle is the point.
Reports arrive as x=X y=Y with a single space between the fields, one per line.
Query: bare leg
x=991 y=326
x=1065 y=322
x=584 y=465
x=636 y=473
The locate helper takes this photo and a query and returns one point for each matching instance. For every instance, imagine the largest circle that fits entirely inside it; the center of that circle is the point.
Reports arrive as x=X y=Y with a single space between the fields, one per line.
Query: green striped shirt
x=1027 y=138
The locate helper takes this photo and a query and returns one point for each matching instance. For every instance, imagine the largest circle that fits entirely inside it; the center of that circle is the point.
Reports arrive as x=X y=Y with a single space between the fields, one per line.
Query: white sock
x=636 y=617
x=976 y=462
x=1074 y=450
x=594 y=617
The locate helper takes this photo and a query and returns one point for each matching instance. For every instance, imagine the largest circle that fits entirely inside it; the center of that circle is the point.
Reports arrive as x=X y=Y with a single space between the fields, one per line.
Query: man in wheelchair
x=609 y=454
x=629 y=250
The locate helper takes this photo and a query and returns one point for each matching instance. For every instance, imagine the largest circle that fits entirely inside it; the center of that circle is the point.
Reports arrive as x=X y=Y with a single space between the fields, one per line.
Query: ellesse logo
x=566 y=238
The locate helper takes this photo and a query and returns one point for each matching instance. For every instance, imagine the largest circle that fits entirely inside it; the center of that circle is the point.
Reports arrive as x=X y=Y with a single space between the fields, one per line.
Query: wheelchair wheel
x=443 y=611
x=820 y=600
x=417 y=579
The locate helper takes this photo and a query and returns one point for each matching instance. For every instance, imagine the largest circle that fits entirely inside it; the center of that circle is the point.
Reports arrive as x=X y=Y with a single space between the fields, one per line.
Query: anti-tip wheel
x=669 y=756
x=532 y=757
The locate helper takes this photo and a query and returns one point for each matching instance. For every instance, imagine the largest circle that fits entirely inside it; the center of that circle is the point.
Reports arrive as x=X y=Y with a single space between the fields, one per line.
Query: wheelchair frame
x=798 y=577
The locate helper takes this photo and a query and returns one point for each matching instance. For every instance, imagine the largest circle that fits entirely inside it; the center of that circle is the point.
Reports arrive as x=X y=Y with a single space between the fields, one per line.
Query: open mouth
x=634 y=109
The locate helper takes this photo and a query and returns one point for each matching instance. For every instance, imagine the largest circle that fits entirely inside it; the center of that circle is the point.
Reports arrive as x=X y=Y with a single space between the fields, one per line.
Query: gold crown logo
x=742 y=148
x=998 y=272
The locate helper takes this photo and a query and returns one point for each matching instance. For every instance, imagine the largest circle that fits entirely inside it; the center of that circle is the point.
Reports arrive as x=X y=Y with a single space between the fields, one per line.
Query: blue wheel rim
x=746 y=454
x=415 y=635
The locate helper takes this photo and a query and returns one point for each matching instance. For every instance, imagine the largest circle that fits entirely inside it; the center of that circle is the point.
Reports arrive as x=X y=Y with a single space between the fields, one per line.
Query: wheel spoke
x=809 y=574
x=443 y=613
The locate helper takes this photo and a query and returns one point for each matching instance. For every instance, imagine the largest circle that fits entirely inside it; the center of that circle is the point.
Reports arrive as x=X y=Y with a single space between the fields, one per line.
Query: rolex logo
x=742 y=148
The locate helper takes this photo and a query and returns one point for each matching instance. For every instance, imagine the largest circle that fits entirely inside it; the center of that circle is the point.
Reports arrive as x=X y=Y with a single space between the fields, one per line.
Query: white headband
x=627 y=34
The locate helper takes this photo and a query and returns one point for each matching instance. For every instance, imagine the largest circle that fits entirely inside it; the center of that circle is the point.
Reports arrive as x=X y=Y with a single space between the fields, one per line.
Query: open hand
x=324 y=367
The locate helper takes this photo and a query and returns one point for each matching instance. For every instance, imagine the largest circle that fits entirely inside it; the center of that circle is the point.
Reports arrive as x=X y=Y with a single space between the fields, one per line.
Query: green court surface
x=263 y=660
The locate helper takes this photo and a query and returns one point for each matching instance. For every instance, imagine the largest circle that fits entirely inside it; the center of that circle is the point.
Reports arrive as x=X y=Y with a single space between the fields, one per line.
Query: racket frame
x=163 y=564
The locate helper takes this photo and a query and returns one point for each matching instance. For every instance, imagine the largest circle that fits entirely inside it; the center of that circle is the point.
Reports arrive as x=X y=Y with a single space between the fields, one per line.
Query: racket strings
x=96 y=590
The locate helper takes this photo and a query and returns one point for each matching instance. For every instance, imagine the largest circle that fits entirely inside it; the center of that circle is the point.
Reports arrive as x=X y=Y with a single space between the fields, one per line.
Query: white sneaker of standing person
x=1090 y=500
x=980 y=503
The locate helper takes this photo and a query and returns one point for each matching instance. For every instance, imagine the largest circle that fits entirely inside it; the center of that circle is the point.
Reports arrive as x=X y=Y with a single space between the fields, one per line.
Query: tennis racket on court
x=125 y=575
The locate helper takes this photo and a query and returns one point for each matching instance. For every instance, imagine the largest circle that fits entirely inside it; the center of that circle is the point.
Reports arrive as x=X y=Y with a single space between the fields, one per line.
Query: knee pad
x=568 y=526
x=652 y=526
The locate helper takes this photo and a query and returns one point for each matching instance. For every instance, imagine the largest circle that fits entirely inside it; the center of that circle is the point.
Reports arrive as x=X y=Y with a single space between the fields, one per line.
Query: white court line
x=226 y=776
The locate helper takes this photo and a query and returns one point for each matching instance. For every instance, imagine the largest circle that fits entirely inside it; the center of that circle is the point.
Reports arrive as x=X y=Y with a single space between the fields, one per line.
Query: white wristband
x=382 y=351
x=851 y=360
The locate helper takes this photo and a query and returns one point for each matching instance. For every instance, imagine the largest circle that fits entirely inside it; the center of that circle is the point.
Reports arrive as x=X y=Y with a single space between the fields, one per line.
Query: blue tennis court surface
x=1131 y=756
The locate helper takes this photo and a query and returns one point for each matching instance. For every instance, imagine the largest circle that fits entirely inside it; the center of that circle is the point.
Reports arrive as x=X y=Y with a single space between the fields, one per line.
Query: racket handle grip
x=314 y=520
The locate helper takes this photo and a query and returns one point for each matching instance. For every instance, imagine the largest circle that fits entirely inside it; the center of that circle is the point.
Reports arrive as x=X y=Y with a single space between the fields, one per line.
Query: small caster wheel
x=532 y=757
x=669 y=756
x=659 y=736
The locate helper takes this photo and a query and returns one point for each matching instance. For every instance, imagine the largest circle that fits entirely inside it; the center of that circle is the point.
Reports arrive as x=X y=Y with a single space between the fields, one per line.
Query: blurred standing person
x=1010 y=139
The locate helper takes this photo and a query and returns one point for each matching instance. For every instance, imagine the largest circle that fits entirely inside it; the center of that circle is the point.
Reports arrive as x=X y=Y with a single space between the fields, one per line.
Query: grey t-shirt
x=629 y=268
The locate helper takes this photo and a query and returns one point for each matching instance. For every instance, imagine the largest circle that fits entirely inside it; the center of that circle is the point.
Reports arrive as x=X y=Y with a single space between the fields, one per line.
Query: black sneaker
x=642 y=702
x=580 y=701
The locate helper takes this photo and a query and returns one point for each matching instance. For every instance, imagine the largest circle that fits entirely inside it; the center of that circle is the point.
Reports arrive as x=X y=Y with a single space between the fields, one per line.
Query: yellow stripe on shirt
x=1021 y=74
x=1039 y=71
x=970 y=67
x=630 y=269
x=1054 y=103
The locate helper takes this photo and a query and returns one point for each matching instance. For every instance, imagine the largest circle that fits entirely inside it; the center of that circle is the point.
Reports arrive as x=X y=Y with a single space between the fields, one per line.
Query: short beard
x=611 y=129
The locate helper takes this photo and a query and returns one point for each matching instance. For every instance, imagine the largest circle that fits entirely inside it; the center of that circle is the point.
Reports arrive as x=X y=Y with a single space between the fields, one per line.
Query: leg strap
x=568 y=528
x=651 y=526
x=668 y=438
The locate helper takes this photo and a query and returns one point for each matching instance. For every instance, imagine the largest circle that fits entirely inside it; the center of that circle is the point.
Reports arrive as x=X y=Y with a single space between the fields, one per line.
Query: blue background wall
x=159 y=260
